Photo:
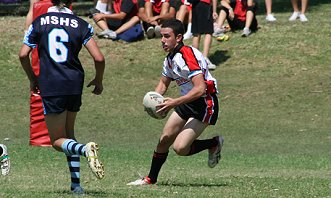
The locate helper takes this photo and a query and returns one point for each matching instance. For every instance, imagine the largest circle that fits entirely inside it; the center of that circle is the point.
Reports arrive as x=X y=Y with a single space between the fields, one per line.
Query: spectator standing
x=270 y=17
x=203 y=16
x=296 y=11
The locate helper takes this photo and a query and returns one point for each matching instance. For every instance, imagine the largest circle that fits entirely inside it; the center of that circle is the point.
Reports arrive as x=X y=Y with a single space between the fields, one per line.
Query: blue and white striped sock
x=74 y=168
x=71 y=147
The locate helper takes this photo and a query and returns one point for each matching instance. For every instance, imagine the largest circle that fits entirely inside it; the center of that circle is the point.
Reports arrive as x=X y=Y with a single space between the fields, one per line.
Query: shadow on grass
x=93 y=193
x=187 y=184
x=219 y=56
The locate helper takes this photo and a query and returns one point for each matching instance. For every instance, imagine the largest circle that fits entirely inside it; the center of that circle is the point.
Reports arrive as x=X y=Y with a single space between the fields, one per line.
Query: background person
x=153 y=12
x=123 y=18
x=194 y=110
x=240 y=14
x=59 y=36
x=269 y=17
x=296 y=11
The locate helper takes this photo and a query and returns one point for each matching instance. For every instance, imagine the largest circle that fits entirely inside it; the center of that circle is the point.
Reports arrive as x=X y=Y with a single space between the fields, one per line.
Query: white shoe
x=150 y=32
x=215 y=154
x=210 y=65
x=108 y=34
x=78 y=191
x=303 y=18
x=187 y=35
x=294 y=16
x=246 y=32
x=157 y=31
x=218 y=32
x=4 y=161
x=92 y=158
x=140 y=182
x=270 y=18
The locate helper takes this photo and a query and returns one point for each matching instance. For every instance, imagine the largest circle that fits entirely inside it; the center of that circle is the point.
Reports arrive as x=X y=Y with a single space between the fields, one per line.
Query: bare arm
x=198 y=90
x=99 y=63
x=163 y=85
x=26 y=64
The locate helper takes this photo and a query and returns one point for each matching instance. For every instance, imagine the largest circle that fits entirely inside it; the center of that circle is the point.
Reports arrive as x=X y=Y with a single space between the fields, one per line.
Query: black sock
x=157 y=162
x=200 y=145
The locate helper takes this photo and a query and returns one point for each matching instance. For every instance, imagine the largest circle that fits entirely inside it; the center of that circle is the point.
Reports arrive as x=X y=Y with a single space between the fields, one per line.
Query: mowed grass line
x=275 y=116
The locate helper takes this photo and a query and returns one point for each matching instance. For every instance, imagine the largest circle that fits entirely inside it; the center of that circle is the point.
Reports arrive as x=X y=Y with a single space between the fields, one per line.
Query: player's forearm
x=26 y=65
x=99 y=70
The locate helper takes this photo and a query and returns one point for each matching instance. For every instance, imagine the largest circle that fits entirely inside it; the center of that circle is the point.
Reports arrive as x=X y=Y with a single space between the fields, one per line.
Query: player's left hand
x=98 y=87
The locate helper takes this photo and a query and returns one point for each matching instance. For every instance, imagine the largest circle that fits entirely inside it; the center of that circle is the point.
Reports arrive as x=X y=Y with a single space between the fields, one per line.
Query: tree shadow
x=219 y=56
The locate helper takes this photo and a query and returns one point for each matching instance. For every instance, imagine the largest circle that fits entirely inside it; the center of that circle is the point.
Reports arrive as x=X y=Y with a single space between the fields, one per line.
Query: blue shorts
x=204 y=109
x=58 y=104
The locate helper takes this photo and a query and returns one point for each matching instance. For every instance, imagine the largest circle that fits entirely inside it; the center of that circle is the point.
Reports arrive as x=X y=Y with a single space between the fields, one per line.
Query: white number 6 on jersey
x=57 y=50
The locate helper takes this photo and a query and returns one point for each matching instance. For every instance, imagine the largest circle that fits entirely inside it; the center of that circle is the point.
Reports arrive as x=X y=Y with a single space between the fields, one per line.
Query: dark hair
x=175 y=24
x=60 y=2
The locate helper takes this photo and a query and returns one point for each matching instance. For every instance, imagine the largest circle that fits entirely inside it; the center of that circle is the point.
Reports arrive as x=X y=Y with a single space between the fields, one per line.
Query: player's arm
x=198 y=90
x=163 y=85
x=26 y=64
x=99 y=63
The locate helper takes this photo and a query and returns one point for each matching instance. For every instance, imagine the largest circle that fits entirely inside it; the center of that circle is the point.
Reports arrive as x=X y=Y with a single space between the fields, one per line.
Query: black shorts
x=58 y=104
x=203 y=109
x=115 y=24
x=202 y=18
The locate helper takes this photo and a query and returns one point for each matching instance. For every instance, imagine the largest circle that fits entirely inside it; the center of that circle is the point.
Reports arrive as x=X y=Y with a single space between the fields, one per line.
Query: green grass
x=275 y=117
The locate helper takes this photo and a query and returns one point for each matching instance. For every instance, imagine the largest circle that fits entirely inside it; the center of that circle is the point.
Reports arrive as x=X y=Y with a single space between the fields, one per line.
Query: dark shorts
x=203 y=109
x=114 y=25
x=58 y=104
x=202 y=18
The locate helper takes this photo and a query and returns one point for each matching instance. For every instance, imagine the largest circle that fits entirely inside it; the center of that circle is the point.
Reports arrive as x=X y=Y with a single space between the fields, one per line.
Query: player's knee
x=180 y=149
x=165 y=140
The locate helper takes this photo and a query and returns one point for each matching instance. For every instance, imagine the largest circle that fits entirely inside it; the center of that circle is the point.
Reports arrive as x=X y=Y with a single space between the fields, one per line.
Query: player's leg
x=4 y=160
x=171 y=129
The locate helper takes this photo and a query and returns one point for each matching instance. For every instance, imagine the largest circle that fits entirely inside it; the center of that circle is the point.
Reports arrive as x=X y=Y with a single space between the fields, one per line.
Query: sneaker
x=108 y=34
x=78 y=191
x=294 y=16
x=270 y=18
x=140 y=182
x=92 y=158
x=246 y=32
x=210 y=65
x=215 y=155
x=187 y=35
x=150 y=32
x=4 y=161
x=157 y=31
x=303 y=18
x=218 y=32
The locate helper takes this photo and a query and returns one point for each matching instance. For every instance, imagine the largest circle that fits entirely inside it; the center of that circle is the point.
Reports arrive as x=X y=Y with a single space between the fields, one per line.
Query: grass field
x=275 y=117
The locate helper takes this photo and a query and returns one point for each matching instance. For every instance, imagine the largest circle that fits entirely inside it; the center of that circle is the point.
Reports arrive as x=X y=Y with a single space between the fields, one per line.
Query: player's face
x=168 y=40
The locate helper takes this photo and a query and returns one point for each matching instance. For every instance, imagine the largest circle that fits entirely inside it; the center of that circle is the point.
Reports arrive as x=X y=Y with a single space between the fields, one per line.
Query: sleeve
x=127 y=6
x=166 y=70
x=88 y=33
x=30 y=37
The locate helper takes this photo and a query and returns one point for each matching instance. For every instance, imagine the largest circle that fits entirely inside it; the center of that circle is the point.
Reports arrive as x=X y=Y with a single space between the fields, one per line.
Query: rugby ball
x=150 y=102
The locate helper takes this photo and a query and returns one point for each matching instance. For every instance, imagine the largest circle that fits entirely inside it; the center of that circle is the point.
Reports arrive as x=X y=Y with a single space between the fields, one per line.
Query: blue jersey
x=59 y=38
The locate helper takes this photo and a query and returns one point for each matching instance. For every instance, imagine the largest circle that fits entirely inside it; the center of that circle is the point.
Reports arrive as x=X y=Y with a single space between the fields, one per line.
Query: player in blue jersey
x=194 y=110
x=59 y=36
